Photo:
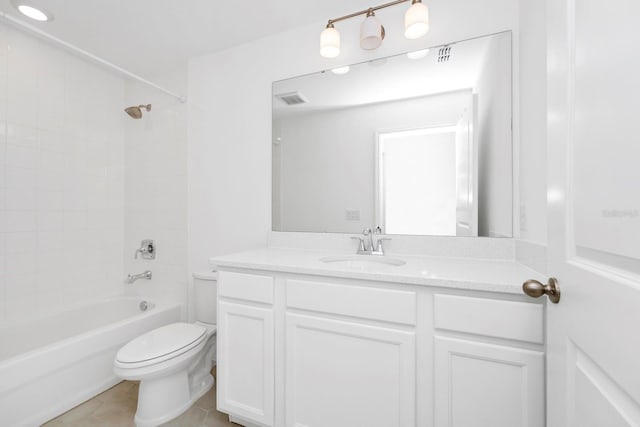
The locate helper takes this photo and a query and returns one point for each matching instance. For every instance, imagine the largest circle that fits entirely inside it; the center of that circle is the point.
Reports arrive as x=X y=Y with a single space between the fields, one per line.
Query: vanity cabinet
x=488 y=362
x=245 y=359
x=308 y=350
x=350 y=355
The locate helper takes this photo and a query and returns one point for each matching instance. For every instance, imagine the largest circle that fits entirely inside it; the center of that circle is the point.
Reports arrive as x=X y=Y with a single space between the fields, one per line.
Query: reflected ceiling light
x=416 y=24
x=418 y=54
x=341 y=70
x=32 y=12
x=416 y=20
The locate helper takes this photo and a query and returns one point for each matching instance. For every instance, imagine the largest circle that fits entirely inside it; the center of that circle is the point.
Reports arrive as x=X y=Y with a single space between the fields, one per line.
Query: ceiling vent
x=444 y=53
x=292 y=98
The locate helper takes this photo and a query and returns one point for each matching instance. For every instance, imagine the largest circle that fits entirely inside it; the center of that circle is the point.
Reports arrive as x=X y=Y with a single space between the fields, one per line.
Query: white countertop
x=504 y=276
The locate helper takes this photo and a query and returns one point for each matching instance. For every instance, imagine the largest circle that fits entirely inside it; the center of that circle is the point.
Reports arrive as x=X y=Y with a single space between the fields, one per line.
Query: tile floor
x=117 y=406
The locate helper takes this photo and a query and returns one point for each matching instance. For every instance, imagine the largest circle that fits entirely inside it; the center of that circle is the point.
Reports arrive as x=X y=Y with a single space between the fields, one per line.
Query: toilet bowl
x=173 y=363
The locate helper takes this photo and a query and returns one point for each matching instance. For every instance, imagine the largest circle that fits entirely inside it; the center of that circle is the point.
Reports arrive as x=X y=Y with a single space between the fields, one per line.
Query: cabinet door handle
x=535 y=289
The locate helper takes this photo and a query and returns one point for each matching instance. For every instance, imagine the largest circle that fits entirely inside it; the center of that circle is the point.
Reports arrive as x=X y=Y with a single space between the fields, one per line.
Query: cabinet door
x=246 y=362
x=485 y=385
x=348 y=374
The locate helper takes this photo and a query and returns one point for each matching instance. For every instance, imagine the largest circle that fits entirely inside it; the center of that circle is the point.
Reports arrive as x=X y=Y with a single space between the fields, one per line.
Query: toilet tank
x=205 y=294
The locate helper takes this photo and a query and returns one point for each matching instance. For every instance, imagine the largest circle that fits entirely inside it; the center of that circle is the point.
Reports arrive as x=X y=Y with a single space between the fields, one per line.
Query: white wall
x=533 y=122
x=156 y=188
x=61 y=178
x=230 y=114
x=328 y=158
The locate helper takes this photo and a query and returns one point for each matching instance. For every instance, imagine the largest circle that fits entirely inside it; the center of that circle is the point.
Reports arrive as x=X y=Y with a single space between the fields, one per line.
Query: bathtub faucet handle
x=147 y=250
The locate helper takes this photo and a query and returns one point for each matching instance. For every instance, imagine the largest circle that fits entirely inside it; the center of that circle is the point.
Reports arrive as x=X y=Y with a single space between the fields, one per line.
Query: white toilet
x=173 y=363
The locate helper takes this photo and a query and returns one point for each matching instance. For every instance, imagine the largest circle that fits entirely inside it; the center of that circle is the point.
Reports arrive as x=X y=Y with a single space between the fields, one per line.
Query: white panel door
x=348 y=374
x=486 y=385
x=593 y=342
x=246 y=362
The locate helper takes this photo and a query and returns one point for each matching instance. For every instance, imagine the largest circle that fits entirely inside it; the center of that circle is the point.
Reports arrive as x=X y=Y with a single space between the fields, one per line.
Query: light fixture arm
x=367 y=11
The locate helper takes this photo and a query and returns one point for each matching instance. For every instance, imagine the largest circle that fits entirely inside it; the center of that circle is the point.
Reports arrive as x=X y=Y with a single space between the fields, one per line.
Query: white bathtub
x=50 y=365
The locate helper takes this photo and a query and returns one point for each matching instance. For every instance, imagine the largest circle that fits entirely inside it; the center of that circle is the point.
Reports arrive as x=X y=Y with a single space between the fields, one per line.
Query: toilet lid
x=170 y=340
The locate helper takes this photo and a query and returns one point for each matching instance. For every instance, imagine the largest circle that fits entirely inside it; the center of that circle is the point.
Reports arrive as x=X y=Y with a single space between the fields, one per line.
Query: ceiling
x=148 y=35
x=389 y=79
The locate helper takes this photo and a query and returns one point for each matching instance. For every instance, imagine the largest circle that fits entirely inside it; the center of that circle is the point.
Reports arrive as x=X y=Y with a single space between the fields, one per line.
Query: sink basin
x=363 y=261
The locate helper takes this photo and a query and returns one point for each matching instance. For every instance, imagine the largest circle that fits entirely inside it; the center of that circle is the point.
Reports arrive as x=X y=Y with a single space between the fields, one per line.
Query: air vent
x=444 y=53
x=292 y=98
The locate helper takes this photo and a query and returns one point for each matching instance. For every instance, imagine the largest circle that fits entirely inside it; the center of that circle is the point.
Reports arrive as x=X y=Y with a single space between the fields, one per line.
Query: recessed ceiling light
x=418 y=54
x=341 y=70
x=33 y=12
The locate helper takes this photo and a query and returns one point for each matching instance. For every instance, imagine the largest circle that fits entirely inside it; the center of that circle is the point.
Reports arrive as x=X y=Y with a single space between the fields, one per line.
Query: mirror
x=418 y=144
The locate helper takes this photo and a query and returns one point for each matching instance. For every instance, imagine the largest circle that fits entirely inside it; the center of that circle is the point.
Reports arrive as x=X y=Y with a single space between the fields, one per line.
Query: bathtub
x=50 y=365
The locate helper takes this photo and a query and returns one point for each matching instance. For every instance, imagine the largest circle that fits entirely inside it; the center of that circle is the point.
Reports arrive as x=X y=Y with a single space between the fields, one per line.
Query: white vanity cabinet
x=324 y=351
x=350 y=355
x=245 y=359
x=488 y=361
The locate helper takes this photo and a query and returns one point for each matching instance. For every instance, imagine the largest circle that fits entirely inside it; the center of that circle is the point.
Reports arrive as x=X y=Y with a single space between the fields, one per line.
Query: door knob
x=535 y=289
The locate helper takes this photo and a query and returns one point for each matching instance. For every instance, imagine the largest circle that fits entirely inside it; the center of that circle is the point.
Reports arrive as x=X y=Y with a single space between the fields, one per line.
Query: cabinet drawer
x=249 y=287
x=357 y=301
x=493 y=318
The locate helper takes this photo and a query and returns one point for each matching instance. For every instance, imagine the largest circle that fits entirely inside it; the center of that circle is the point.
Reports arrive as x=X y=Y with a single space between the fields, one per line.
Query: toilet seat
x=161 y=344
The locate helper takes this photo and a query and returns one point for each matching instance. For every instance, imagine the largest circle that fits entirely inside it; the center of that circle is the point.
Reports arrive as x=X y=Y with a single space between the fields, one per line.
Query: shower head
x=136 y=112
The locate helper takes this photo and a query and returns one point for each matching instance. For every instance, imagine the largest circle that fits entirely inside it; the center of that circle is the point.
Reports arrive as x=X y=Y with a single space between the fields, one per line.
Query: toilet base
x=163 y=399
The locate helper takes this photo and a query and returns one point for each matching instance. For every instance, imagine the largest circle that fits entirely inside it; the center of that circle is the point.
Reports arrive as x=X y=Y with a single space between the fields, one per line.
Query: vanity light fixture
x=32 y=12
x=416 y=25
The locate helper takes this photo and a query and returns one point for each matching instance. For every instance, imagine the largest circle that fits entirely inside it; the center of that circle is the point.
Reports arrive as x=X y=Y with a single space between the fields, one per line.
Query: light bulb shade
x=330 y=43
x=371 y=33
x=416 y=21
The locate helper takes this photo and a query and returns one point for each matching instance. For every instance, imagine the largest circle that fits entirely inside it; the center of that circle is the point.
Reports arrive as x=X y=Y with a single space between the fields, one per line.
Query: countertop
x=503 y=276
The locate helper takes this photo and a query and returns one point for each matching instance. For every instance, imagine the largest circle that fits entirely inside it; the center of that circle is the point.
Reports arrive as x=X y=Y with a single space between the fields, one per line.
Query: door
x=416 y=181
x=593 y=364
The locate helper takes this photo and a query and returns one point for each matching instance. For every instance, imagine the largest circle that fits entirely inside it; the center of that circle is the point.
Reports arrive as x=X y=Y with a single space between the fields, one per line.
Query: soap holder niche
x=147 y=250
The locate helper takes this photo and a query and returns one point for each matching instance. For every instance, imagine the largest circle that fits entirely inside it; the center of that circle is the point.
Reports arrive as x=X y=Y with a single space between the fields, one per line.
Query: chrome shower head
x=136 y=112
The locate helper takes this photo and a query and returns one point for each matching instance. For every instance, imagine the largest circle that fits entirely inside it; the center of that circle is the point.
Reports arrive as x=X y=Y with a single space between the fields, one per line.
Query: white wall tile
x=81 y=184
x=61 y=178
x=18 y=221
x=18 y=198
x=155 y=191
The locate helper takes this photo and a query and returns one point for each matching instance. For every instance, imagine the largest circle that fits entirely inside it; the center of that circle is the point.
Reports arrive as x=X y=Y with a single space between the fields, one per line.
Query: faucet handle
x=377 y=230
x=366 y=231
x=147 y=250
x=361 y=248
x=379 y=247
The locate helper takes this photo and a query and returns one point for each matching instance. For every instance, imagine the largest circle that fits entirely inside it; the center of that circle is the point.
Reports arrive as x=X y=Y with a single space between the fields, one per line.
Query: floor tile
x=116 y=407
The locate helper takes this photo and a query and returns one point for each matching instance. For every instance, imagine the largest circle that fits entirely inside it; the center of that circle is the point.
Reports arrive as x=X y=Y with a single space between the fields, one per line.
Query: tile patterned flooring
x=117 y=406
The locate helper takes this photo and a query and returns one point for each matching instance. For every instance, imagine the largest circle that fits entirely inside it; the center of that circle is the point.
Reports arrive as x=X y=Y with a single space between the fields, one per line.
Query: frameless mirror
x=418 y=143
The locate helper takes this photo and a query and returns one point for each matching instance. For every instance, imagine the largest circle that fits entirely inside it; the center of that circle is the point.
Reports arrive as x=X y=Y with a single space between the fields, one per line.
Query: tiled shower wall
x=61 y=178
x=155 y=191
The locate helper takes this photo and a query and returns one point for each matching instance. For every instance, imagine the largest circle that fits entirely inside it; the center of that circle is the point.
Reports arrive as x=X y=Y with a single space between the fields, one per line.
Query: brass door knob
x=535 y=289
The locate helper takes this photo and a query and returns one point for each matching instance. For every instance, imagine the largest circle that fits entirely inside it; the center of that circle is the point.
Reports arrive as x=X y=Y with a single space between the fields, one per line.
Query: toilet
x=173 y=363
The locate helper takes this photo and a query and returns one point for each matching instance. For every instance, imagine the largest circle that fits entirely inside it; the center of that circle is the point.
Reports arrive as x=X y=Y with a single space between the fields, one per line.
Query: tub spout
x=133 y=277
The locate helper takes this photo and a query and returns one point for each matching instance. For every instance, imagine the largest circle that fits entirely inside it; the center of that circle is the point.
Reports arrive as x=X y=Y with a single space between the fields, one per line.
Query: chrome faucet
x=366 y=246
x=133 y=277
